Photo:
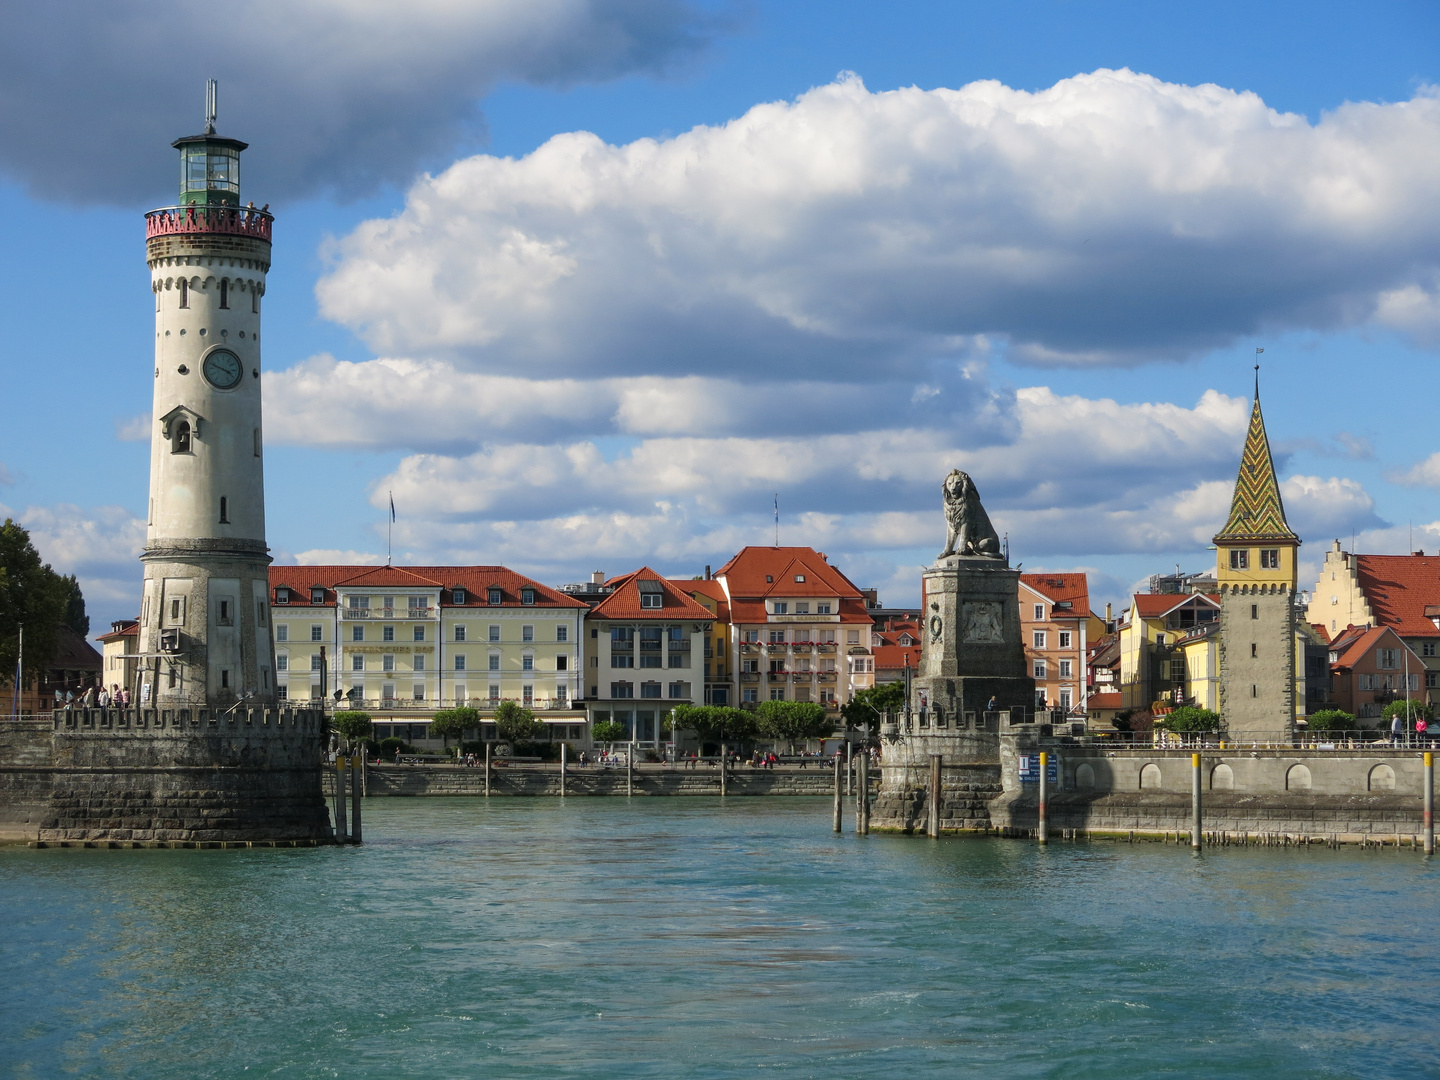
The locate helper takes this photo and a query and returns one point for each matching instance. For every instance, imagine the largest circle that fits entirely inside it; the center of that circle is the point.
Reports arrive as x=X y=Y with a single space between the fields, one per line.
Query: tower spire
x=1257 y=511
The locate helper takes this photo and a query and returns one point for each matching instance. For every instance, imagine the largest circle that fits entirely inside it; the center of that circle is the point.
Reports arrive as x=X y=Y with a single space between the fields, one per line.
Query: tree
x=75 y=616
x=1410 y=710
x=608 y=731
x=1330 y=720
x=716 y=723
x=516 y=724
x=793 y=721
x=352 y=726
x=448 y=722
x=867 y=705
x=32 y=595
x=1189 y=718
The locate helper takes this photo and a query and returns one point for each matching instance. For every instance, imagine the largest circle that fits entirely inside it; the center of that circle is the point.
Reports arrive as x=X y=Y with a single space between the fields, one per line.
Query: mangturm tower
x=206 y=753
x=1256 y=569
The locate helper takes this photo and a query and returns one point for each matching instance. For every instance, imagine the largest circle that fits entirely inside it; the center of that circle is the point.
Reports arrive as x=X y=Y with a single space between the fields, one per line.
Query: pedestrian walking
x=1397 y=726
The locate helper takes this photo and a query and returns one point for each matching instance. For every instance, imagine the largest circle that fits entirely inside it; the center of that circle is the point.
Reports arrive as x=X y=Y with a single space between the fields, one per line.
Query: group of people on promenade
x=94 y=697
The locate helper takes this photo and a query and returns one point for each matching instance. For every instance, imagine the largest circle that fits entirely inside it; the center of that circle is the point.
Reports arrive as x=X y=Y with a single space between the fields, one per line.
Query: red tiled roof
x=712 y=589
x=1156 y=605
x=129 y=630
x=477 y=581
x=1107 y=700
x=1062 y=588
x=1353 y=646
x=745 y=574
x=624 y=602
x=893 y=657
x=1399 y=588
x=892 y=633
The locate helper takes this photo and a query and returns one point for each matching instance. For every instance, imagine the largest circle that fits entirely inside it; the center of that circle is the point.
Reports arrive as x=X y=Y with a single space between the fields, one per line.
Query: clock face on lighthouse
x=223 y=369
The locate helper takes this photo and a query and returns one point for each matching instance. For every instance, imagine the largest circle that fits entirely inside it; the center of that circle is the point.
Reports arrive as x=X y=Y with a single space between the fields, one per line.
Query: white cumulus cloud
x=852 y=236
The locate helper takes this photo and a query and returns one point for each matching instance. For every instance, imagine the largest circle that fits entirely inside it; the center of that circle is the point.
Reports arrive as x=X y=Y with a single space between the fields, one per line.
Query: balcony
x=827 y=676
x=749 y=676
x=750 y=646
x=778 y=676
x=388 y=613
x=825 y=646
x=802 y=648
x=226 y=220
x=776 y=646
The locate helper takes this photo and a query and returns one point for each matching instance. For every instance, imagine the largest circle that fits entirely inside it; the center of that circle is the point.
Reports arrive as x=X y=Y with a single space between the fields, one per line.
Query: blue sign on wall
x=1030 y=769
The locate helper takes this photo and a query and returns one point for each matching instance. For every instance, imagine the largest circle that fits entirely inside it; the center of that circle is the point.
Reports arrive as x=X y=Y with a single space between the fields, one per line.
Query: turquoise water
x=690 y=938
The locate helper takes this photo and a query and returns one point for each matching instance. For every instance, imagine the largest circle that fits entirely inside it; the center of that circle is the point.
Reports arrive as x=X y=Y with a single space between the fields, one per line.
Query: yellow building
x=719 y=678
x=402 y=642
x=1161 y=638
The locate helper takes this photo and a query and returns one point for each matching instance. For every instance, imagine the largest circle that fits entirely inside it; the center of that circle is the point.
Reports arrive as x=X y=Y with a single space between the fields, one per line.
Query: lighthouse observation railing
x=228 y=220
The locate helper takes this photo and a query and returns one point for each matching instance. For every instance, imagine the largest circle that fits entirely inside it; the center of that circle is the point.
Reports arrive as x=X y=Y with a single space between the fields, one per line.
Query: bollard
x=862 y=797
x=849 y=770
x=563 y=748
x=1195 y=835
x=342 y=830
x=487 y=770
x=1042 y=829
x=357 y=772
x=1429 y=803
x=724 y=765
x=630 y=771
x=932 y=826
x=839 y=805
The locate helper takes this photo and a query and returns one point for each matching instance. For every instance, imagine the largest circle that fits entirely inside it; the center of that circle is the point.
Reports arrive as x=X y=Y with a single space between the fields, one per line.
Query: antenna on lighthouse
x=210 y=94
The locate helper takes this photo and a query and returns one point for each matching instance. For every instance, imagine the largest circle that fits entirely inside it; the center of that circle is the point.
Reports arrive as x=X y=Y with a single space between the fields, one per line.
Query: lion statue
x=970 y=531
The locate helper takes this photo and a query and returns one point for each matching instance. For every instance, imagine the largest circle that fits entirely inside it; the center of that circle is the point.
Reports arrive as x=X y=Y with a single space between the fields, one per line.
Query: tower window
x=225 y=678
x=225 y=293
x=257 y=442
x=1253 y=691
x=180 y=444
x=1239 y=559
x=224 y=510
x=1254 y=611
x=184 y=293
x=1253 y=651
x=254 y=302
x=1269 y=558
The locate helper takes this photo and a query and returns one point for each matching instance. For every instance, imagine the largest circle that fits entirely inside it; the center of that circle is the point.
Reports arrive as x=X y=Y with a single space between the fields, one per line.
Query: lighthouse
x=205 y=620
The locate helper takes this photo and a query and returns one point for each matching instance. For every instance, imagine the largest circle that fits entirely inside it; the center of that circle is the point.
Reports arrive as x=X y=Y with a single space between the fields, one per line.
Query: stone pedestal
x=973 y=656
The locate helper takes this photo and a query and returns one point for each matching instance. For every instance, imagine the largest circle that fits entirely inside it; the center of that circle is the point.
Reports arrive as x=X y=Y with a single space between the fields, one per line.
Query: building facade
x=645 y=643
x=1369 y=668
x=1398 y=591
x=799 y=628
x=1057 y=627
x=718 y=674
x=402 y=642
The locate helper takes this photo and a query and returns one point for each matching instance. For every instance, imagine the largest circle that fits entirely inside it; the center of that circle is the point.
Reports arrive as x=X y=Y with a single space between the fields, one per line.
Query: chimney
x=1108 y=616
x=597 y=578
x=707 y=571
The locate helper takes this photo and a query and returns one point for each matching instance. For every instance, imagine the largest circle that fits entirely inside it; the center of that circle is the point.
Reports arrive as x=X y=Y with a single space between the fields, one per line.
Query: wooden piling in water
x=932 y=823
x=342 y=830
x=1042 y=829
x=839 y=805
x=1195 y=826
x=357 y=773
x=1429 y=822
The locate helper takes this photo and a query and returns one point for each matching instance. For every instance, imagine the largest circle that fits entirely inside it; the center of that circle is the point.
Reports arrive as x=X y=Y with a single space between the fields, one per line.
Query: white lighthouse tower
x=205 y=619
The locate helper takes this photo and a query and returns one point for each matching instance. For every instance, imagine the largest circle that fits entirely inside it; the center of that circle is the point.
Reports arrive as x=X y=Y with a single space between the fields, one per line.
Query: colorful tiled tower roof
x=1257 y=512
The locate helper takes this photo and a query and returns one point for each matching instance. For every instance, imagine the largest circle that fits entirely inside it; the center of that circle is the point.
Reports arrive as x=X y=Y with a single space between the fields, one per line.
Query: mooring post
x=563 y=748
x=630 y=771
x=839 y=806
x=849 y=769
x=487 y=770
x=724 y=767
x=1429 y=803
x=357 y=771
x=932 y=824
x=1042 y=831
x=342 y=830
x=1195 y=835
x=862 y=796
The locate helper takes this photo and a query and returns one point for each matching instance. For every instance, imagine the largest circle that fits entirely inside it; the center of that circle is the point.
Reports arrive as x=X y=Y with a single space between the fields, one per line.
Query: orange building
x=1057 y=626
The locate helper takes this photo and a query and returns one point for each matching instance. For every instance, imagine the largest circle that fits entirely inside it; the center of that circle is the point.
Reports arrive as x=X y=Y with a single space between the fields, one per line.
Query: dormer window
x=781 y=607
x=457 y=596
x=822 y=608
x=317 y=596
x=800 y=579
x=180 y=441
x=494 y=598
x=282 y=596
x=527 y=596
x=651 y=594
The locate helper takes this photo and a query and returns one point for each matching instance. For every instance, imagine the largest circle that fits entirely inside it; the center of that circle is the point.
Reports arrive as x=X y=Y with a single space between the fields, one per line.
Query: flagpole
x=390 y=524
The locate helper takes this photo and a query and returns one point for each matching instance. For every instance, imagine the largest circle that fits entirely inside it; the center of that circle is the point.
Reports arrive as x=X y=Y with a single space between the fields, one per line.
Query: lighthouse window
x=181 y=443
x=184 y=292
x=224 y=511
x=225 y=293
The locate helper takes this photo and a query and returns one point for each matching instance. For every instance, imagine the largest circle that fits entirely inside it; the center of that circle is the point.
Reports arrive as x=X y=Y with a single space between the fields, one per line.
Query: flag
x=1259 y=350
x=392 y=507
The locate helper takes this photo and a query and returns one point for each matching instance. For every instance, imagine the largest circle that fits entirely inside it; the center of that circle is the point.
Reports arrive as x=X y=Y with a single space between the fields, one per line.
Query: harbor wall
x=544 y=780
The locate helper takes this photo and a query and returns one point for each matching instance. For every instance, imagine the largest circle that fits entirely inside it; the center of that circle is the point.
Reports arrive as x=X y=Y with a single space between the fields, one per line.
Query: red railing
x=230 y=220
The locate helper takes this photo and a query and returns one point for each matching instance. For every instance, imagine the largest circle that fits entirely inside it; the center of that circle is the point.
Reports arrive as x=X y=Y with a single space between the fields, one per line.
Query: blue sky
x=610 y=353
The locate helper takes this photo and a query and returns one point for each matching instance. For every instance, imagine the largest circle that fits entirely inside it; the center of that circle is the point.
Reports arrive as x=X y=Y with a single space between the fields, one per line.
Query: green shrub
x=793 y=721
x=607 y=731
x=389 y=746
x=1410 y=710
x=1189 y=718
x=1330 y=720
x=516 y=724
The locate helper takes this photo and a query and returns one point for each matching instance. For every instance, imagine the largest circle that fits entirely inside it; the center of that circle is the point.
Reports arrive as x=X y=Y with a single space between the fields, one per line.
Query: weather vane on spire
x=210 y=94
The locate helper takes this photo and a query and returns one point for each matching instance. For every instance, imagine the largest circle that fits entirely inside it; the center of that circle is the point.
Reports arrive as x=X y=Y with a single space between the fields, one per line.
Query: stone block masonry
x=188 y=776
